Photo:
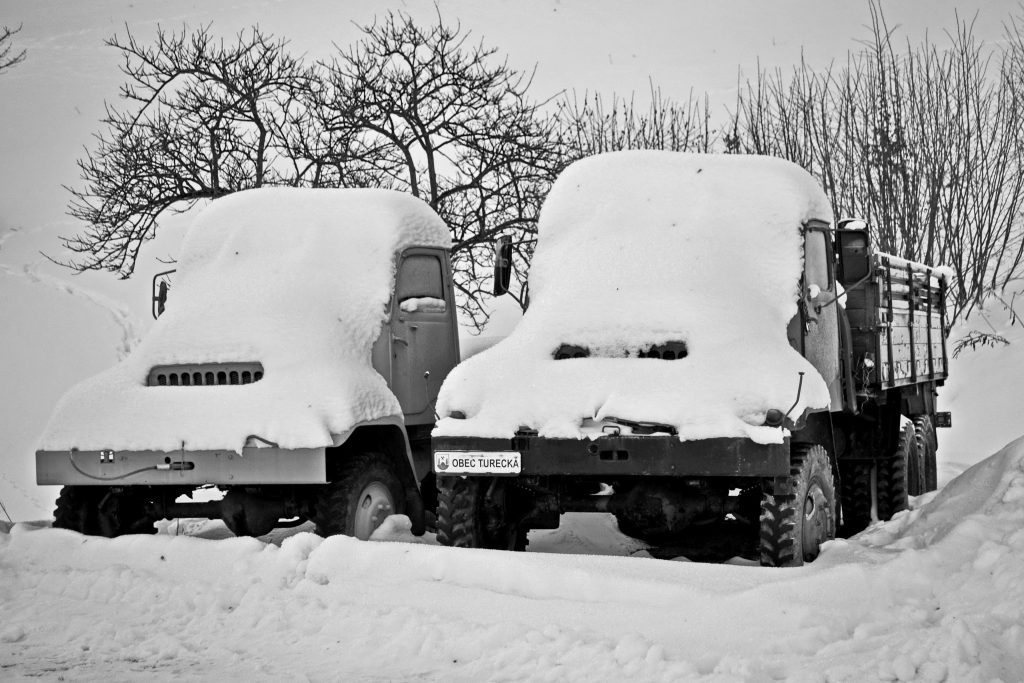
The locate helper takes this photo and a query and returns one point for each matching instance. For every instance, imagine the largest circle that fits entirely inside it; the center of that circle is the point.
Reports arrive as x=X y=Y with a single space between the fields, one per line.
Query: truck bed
x=898 y=322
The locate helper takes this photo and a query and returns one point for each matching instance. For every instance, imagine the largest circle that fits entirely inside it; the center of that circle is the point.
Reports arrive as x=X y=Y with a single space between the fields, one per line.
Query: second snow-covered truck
x=690 y=363
x=295 y=368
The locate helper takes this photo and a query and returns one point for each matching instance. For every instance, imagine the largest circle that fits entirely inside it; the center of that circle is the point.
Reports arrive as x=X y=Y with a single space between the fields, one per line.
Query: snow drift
x=641 y=248
x=296 y=279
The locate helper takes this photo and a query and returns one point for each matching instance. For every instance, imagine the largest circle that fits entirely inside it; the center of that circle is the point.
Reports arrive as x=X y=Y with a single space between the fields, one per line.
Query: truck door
x=821 y=322
x=423 y=346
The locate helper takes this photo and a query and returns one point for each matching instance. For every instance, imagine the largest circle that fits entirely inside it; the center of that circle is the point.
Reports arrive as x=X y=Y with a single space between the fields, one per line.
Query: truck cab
x=418 y=345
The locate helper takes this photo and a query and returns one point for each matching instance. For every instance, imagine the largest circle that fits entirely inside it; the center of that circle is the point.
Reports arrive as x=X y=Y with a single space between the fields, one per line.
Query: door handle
x=400 y=340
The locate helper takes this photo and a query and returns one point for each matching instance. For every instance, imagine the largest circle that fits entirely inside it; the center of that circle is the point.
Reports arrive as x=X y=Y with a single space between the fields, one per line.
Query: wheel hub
x=374 y=505
x=817 y=521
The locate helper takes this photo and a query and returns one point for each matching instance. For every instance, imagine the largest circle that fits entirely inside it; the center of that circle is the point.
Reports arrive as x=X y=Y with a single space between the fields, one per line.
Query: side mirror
x=160 y=289
x=161 y=299
x=854 y=254
x=502 y=264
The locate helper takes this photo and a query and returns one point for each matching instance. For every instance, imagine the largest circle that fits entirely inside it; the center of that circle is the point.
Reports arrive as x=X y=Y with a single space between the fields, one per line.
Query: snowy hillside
x=62 y=335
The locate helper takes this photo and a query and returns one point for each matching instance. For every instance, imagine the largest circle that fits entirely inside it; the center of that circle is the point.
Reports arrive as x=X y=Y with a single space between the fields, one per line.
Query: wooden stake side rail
x=909 y=316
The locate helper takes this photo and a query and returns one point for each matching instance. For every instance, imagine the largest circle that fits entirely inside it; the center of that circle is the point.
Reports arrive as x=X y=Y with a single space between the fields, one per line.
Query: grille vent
x=569 y=351
x=673 y=350
x=206 y=374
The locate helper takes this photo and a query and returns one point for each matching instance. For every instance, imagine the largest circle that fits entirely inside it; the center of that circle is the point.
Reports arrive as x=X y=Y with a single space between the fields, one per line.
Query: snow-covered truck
x=691 y=362
x=295 y=369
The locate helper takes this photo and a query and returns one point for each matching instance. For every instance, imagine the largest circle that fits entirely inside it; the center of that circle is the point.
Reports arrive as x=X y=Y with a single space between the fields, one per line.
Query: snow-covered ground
x=935 y=594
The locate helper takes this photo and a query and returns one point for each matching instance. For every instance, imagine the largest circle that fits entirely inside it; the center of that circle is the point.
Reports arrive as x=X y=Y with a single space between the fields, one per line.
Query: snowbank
x=935 y=594
x=643 y=248
x=295 y=279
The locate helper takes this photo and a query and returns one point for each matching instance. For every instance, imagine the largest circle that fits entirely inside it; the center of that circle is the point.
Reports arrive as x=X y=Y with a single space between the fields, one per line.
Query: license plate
x=477 y=462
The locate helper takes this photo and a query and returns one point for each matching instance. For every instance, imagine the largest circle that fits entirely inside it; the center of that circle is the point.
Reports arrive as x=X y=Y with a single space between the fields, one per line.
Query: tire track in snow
x=10 y=232
x=31 y=498
x=127 y=322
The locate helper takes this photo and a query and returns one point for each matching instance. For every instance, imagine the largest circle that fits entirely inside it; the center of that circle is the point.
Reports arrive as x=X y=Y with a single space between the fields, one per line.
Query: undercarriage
x=776 y=503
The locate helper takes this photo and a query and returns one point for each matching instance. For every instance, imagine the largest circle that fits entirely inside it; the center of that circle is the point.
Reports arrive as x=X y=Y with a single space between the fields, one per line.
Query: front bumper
x=612 y=456
x=255 y=465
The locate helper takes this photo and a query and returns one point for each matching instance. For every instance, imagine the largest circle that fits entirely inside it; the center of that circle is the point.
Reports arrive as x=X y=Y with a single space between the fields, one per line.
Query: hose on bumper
x=71 y=457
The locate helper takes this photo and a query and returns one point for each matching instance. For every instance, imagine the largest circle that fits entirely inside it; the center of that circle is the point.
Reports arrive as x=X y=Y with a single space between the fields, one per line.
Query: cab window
x=817 y=260
x=420 y=277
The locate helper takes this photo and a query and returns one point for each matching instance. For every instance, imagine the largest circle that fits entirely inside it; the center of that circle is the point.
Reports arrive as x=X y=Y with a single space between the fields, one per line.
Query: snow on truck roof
x=638 y=249
x=294 y=279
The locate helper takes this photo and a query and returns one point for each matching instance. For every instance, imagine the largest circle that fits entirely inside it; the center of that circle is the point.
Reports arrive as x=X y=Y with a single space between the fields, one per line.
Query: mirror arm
x=818 y=307
x=156 y=305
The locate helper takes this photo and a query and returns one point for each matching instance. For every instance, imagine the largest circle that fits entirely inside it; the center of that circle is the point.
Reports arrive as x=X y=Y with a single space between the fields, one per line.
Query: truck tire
x=892 y=484
x=917 y=467
x=927 y=444
x=78 y=509
x=466 y=519
x=100 y=511
x=799 y=517
x=855 y=483
x=364 y=490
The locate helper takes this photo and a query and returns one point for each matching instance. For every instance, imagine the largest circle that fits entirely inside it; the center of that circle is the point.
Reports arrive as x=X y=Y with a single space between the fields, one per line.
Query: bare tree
x=923 y=142
x=7 y=59
x=428 y=112
x=589 y=126
x=416 y=109
x=204 y=118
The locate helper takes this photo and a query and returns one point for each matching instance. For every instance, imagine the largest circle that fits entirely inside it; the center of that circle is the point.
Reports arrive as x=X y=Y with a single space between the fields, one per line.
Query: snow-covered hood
x=297 y=280
x=642 y=248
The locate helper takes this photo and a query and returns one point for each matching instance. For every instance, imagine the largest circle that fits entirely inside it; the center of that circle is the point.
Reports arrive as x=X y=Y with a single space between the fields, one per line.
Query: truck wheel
x=78 y=509
x=364 y=491
x=467 y=519
x=927 y=444
x=99 y=511
x=892 y=476
x=856 y=495
x=124 y=512
x=917 y=468
x=797 y=519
